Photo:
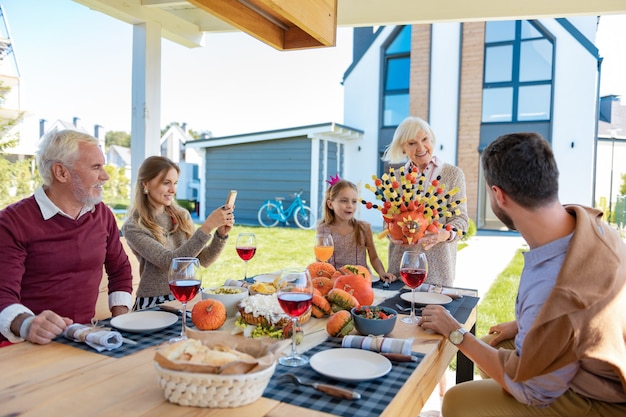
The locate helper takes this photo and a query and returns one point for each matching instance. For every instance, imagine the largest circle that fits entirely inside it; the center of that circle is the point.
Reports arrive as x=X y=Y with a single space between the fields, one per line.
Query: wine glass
x=413 y=270
x=295 y=292
x=184 y=285
x=324 y=246
x=246 y=248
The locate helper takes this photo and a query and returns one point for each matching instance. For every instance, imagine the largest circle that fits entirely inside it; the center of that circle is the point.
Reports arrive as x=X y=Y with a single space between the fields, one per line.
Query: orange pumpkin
x=320 y=307
x=340 y=324
x=358 y=286
x=341 y=300
x=356 y=270
x=208 y=314
x=409 y=226
x=322 y=284
x=321 y=269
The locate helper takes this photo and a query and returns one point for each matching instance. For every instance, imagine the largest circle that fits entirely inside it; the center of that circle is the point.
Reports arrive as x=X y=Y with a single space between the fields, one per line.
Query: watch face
x=456 y=337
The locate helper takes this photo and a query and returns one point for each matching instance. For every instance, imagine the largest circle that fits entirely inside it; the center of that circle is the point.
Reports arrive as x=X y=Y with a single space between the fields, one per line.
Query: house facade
x=473 y=82
x=265 y=165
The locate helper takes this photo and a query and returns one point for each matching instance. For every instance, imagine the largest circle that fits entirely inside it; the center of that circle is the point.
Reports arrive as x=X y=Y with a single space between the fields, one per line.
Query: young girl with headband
x=353 y=239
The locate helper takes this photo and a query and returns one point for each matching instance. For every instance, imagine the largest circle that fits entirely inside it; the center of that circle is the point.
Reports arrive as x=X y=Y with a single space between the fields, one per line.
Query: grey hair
x=59 y=146
x=406 y=131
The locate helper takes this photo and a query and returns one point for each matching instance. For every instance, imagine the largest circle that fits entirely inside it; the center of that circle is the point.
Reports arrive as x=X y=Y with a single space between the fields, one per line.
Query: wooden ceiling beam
x=282 y=24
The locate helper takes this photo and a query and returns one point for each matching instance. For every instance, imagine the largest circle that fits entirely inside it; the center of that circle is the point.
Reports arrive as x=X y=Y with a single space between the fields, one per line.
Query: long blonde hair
x=143 y=210
x=329 y=214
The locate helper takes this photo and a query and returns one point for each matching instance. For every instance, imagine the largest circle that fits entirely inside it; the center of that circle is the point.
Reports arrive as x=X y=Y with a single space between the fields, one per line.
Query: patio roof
x=185 y=23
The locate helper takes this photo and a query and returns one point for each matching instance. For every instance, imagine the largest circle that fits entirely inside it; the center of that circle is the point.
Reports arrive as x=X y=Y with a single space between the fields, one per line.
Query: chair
x=102 y=306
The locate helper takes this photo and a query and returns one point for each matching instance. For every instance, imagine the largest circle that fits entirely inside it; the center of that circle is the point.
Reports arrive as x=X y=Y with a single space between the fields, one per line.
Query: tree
x=8 y=139
x=116 y=138
x=116 y=191
x=622 y=188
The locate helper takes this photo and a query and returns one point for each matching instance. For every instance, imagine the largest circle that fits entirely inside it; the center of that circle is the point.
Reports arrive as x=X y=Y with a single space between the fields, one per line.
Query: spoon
x=326 y=388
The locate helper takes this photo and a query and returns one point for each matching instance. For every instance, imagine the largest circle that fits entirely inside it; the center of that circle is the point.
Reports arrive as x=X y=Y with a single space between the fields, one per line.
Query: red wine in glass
x=246 y=253
x=413 y=271
x=184 y=289
x=294 y=292
x=184 y=286
x=295 y=304
x=413 y=278
x=246 y=248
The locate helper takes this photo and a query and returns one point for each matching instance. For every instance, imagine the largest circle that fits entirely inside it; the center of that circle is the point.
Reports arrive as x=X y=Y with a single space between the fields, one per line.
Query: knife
x=174 y=310
x=399 y=357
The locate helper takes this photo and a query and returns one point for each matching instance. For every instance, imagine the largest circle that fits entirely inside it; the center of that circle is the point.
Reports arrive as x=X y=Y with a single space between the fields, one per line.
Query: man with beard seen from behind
x=565 y=352
x=55 y=243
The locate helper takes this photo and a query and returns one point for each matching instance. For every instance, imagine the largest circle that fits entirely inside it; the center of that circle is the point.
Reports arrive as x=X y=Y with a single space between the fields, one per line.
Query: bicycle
x=272 y=212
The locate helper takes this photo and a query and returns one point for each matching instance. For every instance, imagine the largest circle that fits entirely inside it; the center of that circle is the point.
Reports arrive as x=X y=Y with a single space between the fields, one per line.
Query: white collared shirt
x=49 y=209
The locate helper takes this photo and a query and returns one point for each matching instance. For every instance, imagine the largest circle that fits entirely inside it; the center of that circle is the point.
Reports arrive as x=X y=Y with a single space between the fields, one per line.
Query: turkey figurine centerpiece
x=410 y=207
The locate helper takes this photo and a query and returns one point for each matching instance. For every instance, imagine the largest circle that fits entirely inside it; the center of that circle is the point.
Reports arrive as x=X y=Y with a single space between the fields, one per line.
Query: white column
x=146 y=94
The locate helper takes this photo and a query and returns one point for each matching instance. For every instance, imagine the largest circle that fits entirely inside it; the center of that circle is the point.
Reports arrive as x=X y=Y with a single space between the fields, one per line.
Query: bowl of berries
x=374 y=320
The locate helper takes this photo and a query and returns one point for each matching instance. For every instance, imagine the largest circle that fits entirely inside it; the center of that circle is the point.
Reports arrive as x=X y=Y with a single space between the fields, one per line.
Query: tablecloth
x=375 y=394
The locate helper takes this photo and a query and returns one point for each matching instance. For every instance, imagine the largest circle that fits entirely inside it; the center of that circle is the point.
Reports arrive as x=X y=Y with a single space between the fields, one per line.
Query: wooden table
x=60 y=380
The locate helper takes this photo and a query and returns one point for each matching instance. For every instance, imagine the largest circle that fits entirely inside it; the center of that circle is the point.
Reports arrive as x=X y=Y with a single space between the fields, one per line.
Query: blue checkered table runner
x=144 y=340
x=375 y=394
x=460 y=308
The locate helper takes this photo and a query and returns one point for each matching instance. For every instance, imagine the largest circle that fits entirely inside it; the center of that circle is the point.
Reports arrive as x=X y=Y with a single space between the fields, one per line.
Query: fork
x=418 y=310
x=326 y=388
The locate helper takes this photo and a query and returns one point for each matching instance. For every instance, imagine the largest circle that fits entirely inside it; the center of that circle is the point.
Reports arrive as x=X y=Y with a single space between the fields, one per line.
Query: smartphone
x=232 y=196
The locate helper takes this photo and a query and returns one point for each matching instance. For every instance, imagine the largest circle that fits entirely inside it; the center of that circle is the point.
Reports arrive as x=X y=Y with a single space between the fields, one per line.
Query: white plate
x=426 y=298
x=267 y=278
x=144 y=321
x=350 y=365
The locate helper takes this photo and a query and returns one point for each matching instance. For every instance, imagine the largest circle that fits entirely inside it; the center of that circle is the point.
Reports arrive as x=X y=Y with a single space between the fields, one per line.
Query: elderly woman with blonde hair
x=414 y=142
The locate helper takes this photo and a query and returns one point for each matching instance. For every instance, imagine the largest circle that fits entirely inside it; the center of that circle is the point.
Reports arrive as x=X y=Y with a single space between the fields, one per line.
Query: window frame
x=515 y=84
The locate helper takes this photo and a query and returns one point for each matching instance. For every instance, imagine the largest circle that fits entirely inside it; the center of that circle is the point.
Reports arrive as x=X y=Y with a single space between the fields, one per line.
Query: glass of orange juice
x=324 y=246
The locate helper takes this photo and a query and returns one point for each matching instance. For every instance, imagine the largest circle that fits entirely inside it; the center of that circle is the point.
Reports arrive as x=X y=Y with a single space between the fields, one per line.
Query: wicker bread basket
x=251 y=319
x=213 y=390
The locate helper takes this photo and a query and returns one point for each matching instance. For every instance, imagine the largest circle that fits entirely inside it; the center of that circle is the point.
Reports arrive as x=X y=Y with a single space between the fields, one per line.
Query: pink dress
x=347 y=251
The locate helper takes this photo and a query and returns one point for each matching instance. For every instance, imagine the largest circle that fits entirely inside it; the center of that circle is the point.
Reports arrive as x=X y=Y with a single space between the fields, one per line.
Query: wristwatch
x=456 y=336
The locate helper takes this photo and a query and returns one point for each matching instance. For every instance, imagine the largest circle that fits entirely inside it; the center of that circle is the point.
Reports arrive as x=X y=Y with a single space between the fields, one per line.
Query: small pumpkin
x=340 y=324
x=320 y=307
x=357 y=285
x=356 y=270
x=321 y=269
x=323 y=284
x=208 y=314
x=341 y=300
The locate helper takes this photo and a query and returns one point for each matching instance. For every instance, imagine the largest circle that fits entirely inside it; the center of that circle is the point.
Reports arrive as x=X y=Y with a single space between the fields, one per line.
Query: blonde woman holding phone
x=158 y=230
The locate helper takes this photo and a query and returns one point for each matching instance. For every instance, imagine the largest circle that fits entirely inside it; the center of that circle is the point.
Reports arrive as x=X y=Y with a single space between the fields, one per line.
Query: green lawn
x=498 y=304
x=277 y=248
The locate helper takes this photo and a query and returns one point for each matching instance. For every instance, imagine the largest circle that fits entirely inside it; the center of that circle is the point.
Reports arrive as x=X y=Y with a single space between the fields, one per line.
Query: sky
x=76 y=62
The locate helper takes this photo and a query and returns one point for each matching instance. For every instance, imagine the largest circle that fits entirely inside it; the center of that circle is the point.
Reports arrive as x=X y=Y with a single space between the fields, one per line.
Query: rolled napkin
x=452 y=293
x=99 y=338
x=378 y=344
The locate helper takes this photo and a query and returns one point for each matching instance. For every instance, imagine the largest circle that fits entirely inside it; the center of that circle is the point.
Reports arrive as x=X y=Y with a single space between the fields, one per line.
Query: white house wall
x=574 y=115
x=361 y=111
x=445 y=64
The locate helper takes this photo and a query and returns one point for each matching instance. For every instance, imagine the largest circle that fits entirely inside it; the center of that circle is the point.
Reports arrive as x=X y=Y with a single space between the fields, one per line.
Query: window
x=397 y=78
x=517 y=82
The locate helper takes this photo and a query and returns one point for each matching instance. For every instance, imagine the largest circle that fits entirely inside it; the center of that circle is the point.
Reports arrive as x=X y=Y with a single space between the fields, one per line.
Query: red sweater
x=56 y=264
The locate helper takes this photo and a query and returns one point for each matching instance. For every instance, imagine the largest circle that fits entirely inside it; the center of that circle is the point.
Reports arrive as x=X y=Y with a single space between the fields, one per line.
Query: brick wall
x=470 y=109
x=420 y=71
